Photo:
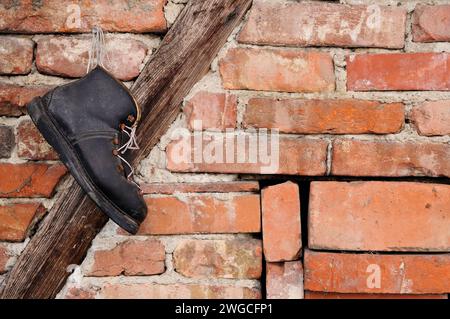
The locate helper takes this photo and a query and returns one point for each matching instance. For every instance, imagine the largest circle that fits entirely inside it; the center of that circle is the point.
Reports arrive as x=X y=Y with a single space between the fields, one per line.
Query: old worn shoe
x=91 y=123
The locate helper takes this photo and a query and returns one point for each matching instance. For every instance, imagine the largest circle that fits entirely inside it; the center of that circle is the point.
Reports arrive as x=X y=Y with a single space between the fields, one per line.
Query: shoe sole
x=49 y=129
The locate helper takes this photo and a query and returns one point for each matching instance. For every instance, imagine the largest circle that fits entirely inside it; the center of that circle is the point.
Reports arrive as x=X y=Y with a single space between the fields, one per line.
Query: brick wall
x=359 y=203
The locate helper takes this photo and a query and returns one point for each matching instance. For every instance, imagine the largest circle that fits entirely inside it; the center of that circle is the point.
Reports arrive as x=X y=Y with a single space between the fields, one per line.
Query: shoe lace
x=131 y=144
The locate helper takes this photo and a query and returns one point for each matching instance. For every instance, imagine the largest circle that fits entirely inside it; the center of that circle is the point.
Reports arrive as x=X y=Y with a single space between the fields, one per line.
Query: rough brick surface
x=208 y=187
x=129 y=258
x=6 y=140
x=177 y=291
x=277 y=70
x=16 y=54
x=13 y=98
x=202 y=214
x=16 y=220
x=216 y=111
x=332 y=295
x=29 y=180
x=383 y=216
x=284 y=280
x=281 y=222
x=69 y=56
x=432 y=118
x=389 y=158
x=324 y=24
x=296 y=156
x=324 y=116
x=398 y=72
x=369 y=273
x=31 y=144
x=82 y=16
x=237 y=258
x=430 y=23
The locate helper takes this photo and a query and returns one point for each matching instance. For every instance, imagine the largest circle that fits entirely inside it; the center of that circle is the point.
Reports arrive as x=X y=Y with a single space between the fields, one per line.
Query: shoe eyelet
x=122 y=126
x=120 y=168
x=130 y=118
x=115 y=152
x=116 y=141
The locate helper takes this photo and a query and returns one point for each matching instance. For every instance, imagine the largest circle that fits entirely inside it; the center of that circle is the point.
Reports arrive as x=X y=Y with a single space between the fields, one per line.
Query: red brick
x=4 y=258
x=390 y=158
x=16 y=54
x=324 y=116
x=60 y=16
x=17 y=219
x=13 y=98
x=129 y=258
x=29 y=180
x=214 y=187
x=430 y=23
x=31 y=144
x=332 y=295
x=432 y=118
x=79 y=293
x=6 y=141
x=297 y=156
x=277 y=70
x=69 y=56
x=369 y=273
x=177 y=291
x=398 y=72
x=325 y=24
x=281 y=222
x=284 y=280
x=379 y=216
x=216 y=111
x=236 y=258
x=202 y=214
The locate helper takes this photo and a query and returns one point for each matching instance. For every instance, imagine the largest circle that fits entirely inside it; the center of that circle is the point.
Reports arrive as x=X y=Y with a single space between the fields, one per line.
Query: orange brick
x=13 y=98
x=177 y=291
x=370 y=273
x=16 y=54
x=281 y=222
x=277 y=70
x=398 y=72
x=17 y=219
x=238 y=258
x=202 y=214
x=324 y=116
x=379 y=216
x=216 y=111
x=81 y=16
x=29 y=180
x=332 y=295
x=430 y=23
x=386 y=158
x=69 y=56
x=324 y=24
x=432 y=118
x=296 y=156
x=284 y=280
x=129 y=258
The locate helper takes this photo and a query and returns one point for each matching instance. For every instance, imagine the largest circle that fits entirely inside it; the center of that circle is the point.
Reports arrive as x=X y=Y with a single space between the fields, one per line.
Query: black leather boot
x=91 y=123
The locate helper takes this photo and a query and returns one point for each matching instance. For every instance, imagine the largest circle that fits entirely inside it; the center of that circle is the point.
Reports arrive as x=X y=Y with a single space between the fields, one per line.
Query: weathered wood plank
x=184 y=56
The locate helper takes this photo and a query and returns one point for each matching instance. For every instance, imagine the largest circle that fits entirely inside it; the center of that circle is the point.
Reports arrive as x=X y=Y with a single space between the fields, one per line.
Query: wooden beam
x=184 y=56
